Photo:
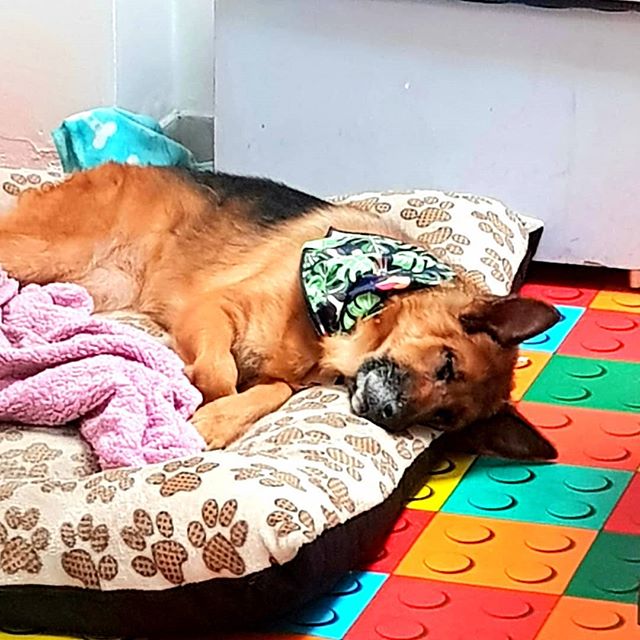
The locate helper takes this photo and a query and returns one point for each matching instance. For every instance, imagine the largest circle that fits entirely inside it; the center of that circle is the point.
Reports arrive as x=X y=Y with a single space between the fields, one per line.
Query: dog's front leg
x=226 y=419
x=204 y=335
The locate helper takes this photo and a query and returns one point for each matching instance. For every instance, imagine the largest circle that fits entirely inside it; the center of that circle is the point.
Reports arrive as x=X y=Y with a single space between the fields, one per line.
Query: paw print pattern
x=9 y=433
x=282 y=520
x=7 y=489
x=332 y=419
x=51 y=486
x=104 y=486
x=336 y=490
x=336 y=460
x=338 y=493
x=181 y=475
x=28 y=463
x=294 y=434
x=434 y=211
x=331 y=518
x=370 y=204
x=490 y=223
x=380 y=458
x=78 y=562
x=316 y=399
x=408 y=447
x=364 y=444
x=476 y=278
x=87 y=464
x=477 y=200
x=268 y=476
x=220 y=550
x=18 y=183
x=167 y=555
x=515 y=218
x=436 y=237
x=501 y=268
x=22 y=541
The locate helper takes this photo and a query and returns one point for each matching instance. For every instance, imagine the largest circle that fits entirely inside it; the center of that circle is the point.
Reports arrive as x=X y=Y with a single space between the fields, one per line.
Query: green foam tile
x=589 y=383
x=610 y=570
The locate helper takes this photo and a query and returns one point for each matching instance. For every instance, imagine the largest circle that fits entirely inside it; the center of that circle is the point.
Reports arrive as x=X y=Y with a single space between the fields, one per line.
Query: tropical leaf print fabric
x=348 y=276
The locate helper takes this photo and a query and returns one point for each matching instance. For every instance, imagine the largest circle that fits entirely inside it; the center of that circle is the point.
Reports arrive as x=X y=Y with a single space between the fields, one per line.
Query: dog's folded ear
x=508 y=434
x=510 y=320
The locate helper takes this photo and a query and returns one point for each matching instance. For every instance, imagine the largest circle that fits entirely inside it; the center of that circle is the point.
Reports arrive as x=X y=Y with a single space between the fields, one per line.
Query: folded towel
x=59 y=364
x=111 y=134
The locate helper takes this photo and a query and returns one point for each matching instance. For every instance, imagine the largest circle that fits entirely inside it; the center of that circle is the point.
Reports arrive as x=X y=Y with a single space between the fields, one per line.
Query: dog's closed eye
x=447 y=370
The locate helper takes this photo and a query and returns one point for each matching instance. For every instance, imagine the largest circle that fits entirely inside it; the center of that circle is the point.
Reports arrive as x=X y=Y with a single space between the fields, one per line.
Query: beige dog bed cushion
x=228 y=538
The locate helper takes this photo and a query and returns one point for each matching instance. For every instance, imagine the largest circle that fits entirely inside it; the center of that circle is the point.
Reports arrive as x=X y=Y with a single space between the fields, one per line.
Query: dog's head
x=445 y=359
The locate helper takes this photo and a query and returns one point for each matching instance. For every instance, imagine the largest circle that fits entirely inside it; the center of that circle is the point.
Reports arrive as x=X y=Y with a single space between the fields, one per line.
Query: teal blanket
x=111 y=134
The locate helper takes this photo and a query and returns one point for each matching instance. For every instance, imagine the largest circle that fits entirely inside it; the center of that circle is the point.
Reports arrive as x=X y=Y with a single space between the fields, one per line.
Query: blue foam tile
x=550 y=340
x=331 y=615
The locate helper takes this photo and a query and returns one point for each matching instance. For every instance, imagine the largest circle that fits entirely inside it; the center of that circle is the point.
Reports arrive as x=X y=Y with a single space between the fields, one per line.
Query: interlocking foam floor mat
x=492 y=549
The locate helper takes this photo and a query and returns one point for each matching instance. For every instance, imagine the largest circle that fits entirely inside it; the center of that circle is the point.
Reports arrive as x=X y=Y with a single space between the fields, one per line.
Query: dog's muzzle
x=379 y=393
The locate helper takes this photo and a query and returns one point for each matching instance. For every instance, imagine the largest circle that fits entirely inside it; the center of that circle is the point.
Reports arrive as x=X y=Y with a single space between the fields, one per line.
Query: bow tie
x=348 y=276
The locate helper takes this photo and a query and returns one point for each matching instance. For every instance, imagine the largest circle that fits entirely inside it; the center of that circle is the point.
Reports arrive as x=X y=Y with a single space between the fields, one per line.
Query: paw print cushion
x=480 y=235
x=225 y=539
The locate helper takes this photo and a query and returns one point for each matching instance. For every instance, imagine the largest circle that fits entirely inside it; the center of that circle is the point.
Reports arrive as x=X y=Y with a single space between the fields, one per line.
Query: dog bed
x=227 y=539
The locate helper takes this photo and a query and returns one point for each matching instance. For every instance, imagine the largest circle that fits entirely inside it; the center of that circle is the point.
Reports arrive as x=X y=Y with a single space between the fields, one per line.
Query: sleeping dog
x=215 y=259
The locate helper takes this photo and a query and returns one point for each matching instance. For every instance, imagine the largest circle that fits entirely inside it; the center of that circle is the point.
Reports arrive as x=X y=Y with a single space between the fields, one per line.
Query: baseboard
x=194 y=131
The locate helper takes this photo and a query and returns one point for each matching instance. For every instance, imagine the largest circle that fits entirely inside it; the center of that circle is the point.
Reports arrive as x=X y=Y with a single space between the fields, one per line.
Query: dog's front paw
x=219 y=423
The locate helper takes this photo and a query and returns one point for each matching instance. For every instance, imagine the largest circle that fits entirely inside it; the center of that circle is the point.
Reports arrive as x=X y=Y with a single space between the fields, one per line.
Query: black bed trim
x=532 y=246
x=218 y=604
x=598 y=5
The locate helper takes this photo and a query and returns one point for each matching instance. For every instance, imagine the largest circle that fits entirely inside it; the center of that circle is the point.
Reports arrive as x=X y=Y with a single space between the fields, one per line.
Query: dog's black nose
x=382 y=411
x=379 y=394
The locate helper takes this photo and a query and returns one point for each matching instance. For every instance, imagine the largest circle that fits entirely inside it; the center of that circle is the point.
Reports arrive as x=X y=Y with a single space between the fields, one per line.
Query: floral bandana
x=347 y=276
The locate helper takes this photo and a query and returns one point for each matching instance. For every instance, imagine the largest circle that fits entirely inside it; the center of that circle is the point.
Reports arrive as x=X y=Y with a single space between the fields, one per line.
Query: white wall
x=63 y=56
x=534 y=106
x=164 y=56
x=56 y=58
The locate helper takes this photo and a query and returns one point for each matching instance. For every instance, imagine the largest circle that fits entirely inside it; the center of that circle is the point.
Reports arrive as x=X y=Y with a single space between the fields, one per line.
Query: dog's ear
x=511 y=320
x=508 y=434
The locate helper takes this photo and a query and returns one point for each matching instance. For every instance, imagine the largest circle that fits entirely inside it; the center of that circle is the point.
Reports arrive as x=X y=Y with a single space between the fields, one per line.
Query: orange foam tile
x=443 y=479
x=528 y=367
x=617 y=301
x=493 y=553
x=578 y=619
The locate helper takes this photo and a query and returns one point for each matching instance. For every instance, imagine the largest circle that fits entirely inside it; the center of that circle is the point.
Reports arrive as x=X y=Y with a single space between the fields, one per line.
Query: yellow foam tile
x=441 y=482
x=528 y=368
x=617 y=301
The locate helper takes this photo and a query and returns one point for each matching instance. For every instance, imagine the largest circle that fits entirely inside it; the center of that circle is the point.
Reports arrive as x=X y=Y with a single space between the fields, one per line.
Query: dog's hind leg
x=30 y=258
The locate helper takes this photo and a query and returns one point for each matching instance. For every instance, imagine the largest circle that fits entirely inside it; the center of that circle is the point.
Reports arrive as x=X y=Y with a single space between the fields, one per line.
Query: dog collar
x=348 y=276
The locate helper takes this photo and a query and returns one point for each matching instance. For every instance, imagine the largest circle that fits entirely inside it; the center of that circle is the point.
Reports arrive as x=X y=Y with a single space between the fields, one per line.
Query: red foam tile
x=573 y=296
x=625 y=518
x=611 y=335
x=405 y=532
x=588 y=437
x=411 y=608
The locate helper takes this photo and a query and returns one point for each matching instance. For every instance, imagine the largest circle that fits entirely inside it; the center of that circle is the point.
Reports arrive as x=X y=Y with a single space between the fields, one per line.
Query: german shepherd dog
x=214 y=259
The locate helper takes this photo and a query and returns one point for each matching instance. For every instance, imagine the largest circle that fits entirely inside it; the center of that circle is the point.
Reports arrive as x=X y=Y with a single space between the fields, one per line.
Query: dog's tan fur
x=229 y=293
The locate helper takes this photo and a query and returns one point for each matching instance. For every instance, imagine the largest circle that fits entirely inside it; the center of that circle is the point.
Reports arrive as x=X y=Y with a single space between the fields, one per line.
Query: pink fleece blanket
x=58 y=364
